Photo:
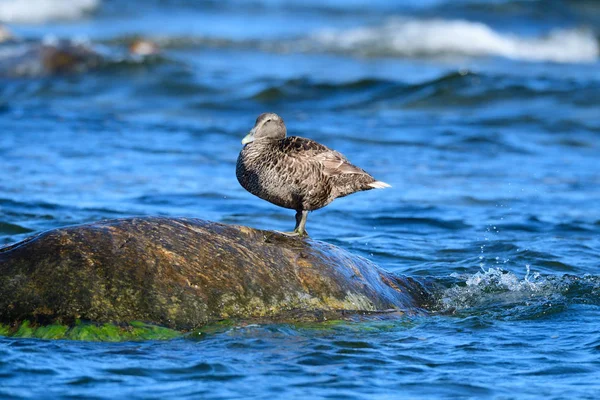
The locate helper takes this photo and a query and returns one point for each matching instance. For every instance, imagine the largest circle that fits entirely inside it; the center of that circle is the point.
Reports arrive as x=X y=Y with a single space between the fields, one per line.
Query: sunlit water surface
x=483 y=116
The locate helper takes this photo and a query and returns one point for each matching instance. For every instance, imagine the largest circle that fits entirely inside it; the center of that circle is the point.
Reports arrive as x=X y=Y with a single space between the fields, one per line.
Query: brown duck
x=294 y=172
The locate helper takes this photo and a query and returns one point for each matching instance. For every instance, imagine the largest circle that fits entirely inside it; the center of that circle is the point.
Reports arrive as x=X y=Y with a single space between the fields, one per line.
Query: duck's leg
x=301 y=216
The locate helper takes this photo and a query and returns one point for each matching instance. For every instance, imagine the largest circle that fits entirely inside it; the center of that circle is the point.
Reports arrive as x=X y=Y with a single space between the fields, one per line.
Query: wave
x=13 y=229
x=403 y=37
x=504 y=295
x=448 y=89
x=38 y=11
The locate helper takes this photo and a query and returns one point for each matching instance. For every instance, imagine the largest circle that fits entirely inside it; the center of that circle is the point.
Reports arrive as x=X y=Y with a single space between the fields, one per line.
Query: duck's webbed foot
x=273 y=236
x=295 y=233
x=300 y=229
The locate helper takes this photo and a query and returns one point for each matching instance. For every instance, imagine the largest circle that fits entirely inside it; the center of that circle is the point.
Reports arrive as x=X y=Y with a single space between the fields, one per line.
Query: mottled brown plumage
x=294 y=172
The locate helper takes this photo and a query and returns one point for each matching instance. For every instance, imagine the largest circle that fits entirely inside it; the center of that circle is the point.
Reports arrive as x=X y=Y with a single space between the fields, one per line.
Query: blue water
x=483 y=116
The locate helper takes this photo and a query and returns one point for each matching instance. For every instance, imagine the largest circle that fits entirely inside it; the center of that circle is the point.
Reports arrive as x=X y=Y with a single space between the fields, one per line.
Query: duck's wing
x=308 y=151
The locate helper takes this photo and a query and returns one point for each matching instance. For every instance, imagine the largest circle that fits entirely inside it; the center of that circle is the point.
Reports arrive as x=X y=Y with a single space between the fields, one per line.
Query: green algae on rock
x=107 y=332
x=184 y=273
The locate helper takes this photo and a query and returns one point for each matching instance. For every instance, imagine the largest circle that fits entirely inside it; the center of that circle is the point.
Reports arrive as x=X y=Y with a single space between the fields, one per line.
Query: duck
x=295 y=172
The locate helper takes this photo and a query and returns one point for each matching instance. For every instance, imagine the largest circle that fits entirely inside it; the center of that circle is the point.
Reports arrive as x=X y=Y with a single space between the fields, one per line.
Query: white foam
x=413 y=37
x=496 y=286
x=37 y=11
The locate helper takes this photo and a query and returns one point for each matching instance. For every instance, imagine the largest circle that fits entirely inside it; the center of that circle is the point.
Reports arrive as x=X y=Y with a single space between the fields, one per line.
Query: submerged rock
x=63 y=57
x=46 y=58
x=185 y=273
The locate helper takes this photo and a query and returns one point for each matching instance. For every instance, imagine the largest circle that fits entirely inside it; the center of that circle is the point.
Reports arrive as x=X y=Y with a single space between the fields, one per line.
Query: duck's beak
x=249 y=137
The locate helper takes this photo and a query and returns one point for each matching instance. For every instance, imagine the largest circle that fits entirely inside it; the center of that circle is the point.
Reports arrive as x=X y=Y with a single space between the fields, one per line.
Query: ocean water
x=484 y=116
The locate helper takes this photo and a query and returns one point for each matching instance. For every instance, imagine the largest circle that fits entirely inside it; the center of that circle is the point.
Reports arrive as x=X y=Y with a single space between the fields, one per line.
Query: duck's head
x=268 y=126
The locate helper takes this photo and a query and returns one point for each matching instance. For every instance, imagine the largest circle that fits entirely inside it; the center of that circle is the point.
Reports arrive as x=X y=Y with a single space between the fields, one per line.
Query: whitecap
x=497 y=287
x=434 y=37
x=37 y=11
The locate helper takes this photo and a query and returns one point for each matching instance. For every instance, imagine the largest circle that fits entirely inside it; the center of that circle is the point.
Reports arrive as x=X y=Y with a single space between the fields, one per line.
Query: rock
x=53 y=57
x=185 y=273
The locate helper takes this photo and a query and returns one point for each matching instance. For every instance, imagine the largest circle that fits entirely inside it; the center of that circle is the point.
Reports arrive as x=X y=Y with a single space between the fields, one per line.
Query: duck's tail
x=379 y=185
